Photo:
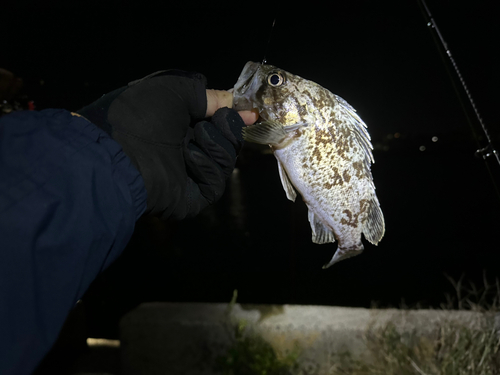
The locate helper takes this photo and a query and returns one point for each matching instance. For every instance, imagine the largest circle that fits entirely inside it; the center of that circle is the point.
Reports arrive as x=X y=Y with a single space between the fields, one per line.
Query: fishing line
x=488 y=150
x=264 y=60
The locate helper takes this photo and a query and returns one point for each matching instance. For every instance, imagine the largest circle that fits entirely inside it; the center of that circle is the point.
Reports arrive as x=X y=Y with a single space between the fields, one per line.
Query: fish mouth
x=245 y=88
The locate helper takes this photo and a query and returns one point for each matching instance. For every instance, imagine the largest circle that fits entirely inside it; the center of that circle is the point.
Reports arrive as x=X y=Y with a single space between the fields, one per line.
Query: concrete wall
x=185 y=338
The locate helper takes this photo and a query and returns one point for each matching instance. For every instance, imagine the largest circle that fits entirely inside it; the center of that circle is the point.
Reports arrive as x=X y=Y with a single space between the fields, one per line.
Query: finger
x=249 y=117
x=231 y=125
x=208 y=177
x=195 y=200
x=211 y=150
x=218 y=99
x=214 y=144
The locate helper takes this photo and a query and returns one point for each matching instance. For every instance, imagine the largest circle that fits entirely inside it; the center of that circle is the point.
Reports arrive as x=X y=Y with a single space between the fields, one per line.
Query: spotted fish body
x=323 y=151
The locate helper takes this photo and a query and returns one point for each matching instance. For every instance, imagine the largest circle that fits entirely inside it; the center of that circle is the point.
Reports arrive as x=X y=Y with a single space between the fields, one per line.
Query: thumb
x=217 y=99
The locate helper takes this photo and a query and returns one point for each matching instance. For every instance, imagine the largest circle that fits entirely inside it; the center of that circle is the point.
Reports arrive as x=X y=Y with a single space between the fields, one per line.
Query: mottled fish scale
x=323 y=151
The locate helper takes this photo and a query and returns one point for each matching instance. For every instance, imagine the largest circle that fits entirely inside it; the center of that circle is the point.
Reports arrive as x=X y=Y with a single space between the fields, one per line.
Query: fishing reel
x=485 y=152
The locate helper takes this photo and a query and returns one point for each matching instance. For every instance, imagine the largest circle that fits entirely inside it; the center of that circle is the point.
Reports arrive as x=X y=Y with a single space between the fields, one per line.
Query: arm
x=70 y=193
x=69 y=199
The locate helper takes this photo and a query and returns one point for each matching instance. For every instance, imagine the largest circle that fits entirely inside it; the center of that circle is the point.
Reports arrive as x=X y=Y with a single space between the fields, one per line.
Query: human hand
x=184 y=164
x=218 y=99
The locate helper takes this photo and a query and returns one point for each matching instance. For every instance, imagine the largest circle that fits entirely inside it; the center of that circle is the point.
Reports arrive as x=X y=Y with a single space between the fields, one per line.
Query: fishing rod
x=488 y=150
x=264 y=60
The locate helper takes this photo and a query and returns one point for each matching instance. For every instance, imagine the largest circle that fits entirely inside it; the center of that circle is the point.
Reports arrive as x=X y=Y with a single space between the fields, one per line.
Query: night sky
x=440 y=205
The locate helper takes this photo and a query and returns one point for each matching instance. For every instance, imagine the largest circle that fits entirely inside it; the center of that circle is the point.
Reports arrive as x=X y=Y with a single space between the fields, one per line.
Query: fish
x=324 y=153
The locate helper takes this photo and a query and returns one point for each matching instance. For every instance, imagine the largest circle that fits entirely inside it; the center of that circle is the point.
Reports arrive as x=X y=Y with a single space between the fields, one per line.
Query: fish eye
x=276 y=79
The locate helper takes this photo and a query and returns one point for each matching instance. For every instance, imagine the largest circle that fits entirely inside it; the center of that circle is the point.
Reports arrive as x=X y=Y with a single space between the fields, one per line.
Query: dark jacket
x=69 y=200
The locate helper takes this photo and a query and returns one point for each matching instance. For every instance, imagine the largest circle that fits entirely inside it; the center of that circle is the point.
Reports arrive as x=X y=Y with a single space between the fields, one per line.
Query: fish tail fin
x=342 y=254
x=374 y=227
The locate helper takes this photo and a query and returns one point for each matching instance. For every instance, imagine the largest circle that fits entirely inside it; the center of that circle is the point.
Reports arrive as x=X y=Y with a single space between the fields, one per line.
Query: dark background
x=440 y=205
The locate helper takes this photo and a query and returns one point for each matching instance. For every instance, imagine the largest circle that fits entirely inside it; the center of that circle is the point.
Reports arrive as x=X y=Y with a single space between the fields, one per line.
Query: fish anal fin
x=320 y=233
x=287 y=185
x=374 y=227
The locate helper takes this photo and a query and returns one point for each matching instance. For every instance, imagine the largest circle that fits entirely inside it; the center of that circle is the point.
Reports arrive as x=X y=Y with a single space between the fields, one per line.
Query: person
x=72 y=186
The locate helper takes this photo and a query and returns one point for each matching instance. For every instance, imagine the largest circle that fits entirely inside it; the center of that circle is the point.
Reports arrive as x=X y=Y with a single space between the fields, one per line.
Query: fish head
x=272 y=91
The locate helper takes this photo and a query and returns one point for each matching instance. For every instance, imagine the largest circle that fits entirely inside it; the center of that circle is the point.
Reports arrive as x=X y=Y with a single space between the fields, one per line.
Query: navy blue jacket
x=69 y=200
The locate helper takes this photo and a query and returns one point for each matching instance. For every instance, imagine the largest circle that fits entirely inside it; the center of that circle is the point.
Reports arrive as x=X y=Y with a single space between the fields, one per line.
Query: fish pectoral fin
x=292 y=128
x=269 y=132
x=374 y=227
x=320 y=233
x=287 y=185
x=266 y=133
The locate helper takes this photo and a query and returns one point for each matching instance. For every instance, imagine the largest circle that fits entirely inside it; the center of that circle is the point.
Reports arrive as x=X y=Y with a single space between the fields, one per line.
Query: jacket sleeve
x=69 y=200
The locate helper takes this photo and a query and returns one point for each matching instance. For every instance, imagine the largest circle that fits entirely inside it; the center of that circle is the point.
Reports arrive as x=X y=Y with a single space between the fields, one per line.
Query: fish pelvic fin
x=320 y=233
x=374 y=227
x=287 y=185
x=342 y=254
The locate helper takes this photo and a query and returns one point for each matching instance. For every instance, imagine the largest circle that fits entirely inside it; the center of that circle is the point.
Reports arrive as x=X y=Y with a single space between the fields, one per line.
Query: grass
x=451 y=348
x=448 y=347
x=454 y=349
x=249 y=354
x=469 y=297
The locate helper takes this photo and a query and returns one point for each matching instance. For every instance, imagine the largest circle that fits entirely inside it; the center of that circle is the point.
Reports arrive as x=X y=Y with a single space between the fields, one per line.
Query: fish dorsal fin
x=320 y=233
x=287 y=185
x=374 y=227
x=358 y=126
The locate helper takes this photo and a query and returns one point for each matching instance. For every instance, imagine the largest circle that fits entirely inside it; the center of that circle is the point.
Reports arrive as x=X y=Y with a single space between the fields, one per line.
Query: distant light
x=434 y=139
x=397 y=135
x=389 y=136
x=103 y=342
x=422 y=148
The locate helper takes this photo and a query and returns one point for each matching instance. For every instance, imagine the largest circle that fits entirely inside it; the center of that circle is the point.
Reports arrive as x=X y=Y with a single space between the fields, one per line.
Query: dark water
x=441 y=218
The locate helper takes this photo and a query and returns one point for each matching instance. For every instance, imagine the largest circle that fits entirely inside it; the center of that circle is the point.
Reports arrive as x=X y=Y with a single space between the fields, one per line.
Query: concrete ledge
x=185 y=338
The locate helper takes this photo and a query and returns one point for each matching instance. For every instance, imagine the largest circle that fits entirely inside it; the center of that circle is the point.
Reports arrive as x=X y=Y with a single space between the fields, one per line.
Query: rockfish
x=323 y=151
